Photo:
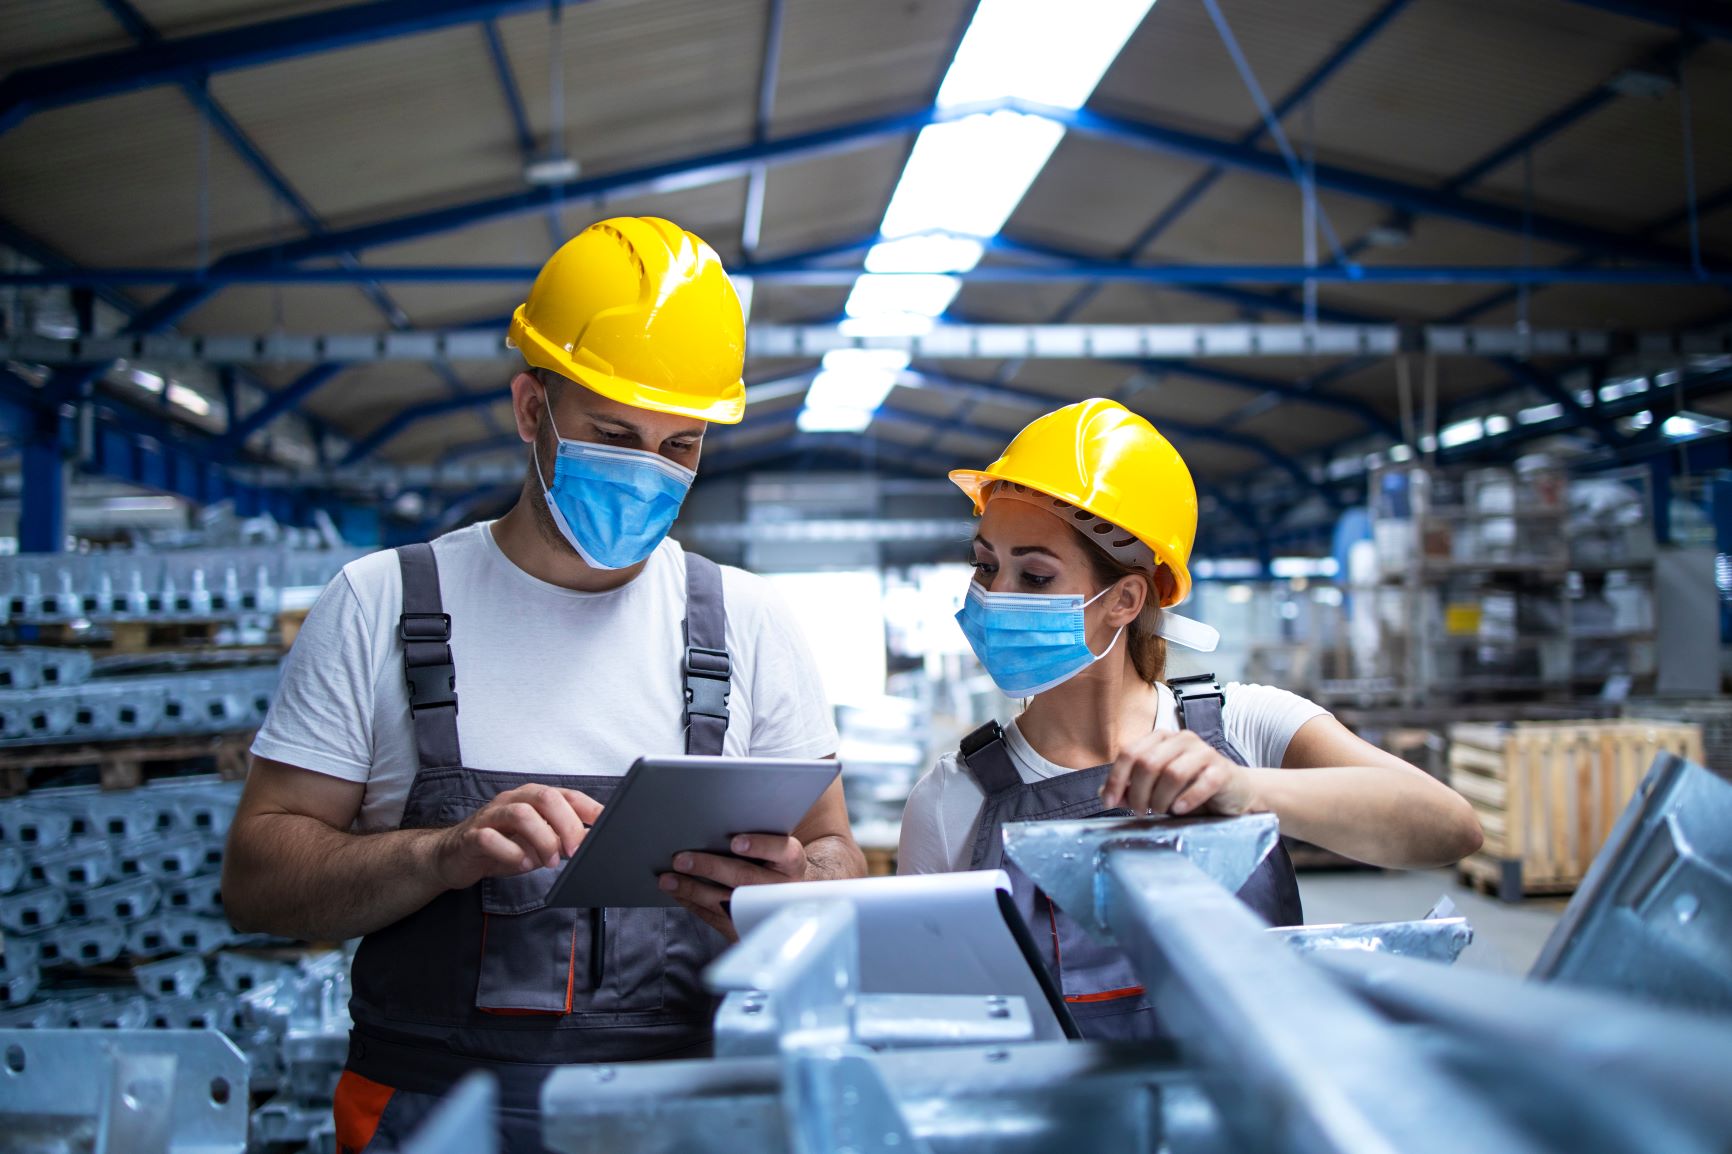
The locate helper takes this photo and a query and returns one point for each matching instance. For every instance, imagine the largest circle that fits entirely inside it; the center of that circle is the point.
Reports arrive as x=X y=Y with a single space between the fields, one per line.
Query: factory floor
x=1506 y=937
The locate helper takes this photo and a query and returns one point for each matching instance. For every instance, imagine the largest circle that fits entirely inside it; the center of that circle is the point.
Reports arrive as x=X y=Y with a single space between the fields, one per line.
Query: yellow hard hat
x=639 y=310
x=1104 y=459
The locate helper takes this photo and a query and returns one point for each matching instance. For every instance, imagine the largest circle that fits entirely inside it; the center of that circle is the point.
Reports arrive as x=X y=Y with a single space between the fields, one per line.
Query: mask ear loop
x=535 y=449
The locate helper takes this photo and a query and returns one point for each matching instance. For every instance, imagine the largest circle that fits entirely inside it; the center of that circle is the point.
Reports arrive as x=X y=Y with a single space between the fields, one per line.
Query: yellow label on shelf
x=1461 y=620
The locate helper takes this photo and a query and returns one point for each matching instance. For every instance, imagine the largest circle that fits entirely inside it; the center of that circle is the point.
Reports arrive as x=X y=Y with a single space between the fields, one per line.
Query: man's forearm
x=296 y=876
x=834 y=857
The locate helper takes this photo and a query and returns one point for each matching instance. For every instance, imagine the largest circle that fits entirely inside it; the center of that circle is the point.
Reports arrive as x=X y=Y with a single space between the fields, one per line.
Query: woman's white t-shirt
x=944 y=807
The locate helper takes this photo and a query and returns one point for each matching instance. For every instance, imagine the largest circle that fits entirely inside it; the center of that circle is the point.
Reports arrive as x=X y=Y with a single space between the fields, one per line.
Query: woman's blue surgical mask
x=1029 y=642
x=614 y=505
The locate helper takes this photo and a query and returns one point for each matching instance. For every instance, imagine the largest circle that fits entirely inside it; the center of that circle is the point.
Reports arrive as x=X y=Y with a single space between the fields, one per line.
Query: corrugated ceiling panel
x=116 y=182
x=844 y=61
x=1447 y=83
x=932 y=402
x=285 y=308
x=987 y=303
x=1066 y=381
x=1612 y=306
x=1095 y=197
x=1174 y=68
x=797 y=304
x=381 y=129
x=1117 y=304
x=1188 y=399
x=1258 y=220
x=829 y=199
x=643 y=82
x=427 y=440
x=1215 y=462
x=43 y=31
x=1294 y=427
x=192 y=17
x=1626 y=162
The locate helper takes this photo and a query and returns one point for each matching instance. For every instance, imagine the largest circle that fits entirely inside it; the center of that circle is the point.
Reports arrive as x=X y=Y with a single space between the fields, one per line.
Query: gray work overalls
x=1102 y=991
x=489 y=977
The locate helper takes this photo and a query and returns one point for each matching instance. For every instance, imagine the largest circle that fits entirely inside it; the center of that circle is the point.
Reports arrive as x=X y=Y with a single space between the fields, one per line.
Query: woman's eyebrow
x=1025 y=550
x=983 y=543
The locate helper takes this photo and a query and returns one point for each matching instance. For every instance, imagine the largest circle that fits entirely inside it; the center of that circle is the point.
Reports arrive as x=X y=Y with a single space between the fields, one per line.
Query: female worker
x=1086 y=525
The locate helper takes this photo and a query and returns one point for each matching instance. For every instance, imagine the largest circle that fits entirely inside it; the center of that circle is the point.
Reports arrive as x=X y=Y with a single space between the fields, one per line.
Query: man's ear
x=528 y=405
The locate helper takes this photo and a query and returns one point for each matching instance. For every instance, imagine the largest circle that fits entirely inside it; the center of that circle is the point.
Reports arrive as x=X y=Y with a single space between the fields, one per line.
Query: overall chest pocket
x=548 y=960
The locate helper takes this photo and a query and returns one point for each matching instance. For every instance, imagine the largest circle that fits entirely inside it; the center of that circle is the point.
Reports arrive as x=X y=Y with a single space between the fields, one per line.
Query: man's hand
x=1177 y=772
x=520 y=830
x=705 y=882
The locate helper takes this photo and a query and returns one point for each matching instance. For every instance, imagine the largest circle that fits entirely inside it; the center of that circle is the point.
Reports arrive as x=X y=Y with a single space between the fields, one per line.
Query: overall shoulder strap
x=425 y=630
x=706 y=668
x=1200 y=705
x=984 y=755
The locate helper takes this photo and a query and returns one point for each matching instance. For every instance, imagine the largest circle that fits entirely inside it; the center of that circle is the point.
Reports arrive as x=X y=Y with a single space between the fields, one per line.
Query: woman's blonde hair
x=1143 y=640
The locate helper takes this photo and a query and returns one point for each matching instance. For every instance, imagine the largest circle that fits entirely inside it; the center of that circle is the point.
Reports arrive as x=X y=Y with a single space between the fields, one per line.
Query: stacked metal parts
x=51 y=696
x=112 y=914
x=181 y=585
x=1318 y=1040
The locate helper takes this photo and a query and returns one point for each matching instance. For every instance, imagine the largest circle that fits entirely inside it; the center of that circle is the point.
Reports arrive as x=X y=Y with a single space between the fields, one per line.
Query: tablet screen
x=669 y=804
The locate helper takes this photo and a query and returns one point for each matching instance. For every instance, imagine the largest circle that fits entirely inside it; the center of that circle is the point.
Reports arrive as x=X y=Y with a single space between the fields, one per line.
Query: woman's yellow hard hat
x=641 y=311
x=1104 y=459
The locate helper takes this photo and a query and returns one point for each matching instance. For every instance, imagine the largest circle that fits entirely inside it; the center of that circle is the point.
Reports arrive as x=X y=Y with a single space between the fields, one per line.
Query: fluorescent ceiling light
x=965 y=177
x=1540 y=413
x=1038 y=50
x=901 y=294
x=866 y=360
x=179 y=394
x=897 y=324
x=1399 y=454
x=1461 y=433
x=1496 y=425
x=928 y=253
x=1681 y=426
x=551 y=170
x=813 y=420
x=968 y=175
x=146 y=380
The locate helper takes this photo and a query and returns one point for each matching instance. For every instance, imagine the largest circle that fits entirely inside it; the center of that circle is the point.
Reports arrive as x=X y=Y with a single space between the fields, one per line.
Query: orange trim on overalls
x=356 y=1107
x=570 y=981
x=1058 y=956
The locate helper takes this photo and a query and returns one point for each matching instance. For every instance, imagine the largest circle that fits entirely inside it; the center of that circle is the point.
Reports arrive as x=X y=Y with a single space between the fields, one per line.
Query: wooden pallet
x=134 y=636
x=289 y=623
x=126 y=764
x=1547 y=794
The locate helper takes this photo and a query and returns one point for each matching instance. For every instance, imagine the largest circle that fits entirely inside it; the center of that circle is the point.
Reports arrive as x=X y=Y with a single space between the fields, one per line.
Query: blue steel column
x=42 y=518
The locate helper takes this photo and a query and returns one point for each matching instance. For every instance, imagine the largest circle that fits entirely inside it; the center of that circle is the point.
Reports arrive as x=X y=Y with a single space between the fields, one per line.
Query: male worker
x=577 y=638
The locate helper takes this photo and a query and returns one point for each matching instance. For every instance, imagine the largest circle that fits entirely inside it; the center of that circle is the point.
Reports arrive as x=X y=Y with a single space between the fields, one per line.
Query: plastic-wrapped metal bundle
x=31 y=667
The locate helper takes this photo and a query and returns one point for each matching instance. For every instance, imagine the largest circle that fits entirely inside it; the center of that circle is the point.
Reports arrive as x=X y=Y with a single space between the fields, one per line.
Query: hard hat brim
x=975 y=482
x=727 y=409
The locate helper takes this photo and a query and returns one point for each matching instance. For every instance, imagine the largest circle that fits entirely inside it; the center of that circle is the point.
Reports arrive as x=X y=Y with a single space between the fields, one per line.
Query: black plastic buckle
x=1182 y=690
x=421 y=627
x=707 y=682
x=981 y=738
x=432 y=685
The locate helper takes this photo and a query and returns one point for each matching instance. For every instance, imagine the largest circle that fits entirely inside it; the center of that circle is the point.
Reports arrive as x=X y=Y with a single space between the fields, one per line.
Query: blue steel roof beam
x=1301 y=92
x=519 y=118
x=1264 y=385
x=1351 y=182
x=109 y=73
x=1202 y=280
x=708 y=168
x=1704 y=19
x=978 y=392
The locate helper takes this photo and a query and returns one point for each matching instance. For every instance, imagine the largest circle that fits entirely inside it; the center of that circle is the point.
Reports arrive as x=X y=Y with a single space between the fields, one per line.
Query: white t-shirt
x=943 y=809
x=549 y=680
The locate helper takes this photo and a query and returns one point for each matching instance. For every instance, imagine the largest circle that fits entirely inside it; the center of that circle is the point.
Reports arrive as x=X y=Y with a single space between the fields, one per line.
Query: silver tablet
x=669 y=804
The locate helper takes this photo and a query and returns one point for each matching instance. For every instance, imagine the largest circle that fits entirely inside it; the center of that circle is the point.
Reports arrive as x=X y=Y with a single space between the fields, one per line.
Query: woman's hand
x=1177 y=772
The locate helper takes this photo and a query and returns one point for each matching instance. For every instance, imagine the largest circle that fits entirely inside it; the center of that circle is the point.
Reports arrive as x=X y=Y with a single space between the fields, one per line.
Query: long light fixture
x=965 y=177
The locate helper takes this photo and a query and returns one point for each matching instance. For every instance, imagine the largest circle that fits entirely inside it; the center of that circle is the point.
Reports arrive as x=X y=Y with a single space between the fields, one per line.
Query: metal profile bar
x=1292 y=1061
x=1159 y=344
x=109 y=73
x=816 y=271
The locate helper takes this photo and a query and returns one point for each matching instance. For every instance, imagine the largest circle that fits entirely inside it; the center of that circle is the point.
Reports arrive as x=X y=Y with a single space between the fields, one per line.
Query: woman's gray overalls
x=1101 y=989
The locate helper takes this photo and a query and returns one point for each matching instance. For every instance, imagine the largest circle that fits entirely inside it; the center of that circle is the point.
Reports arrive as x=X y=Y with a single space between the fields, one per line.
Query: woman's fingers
x=1178 y=776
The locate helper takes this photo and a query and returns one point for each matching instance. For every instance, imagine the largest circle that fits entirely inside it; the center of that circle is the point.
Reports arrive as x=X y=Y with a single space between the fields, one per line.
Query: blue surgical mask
x=614 y=505
x=1029 y=642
